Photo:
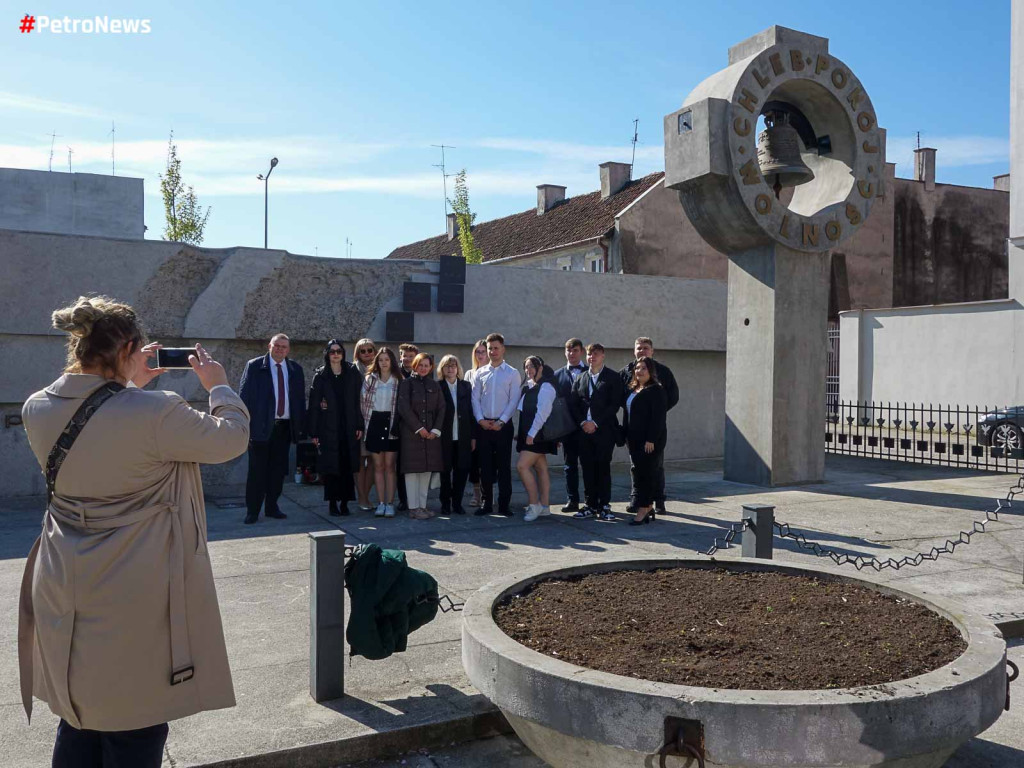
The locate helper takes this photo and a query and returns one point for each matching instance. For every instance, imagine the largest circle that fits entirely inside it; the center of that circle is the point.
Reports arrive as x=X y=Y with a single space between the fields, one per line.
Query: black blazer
x=604 y=403
x=563 y=382
x=322 y=419
x=467 y=425
x=645 y=421
x=257 y=392
x=665 y=378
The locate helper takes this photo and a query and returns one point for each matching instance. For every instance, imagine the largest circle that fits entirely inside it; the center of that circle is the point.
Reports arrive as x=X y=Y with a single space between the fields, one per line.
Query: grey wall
x=234 y=299
x=1016 y=246
x=71 y=203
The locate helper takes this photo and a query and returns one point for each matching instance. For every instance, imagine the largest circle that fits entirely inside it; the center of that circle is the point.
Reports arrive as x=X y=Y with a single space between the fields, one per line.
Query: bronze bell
x=778 y=154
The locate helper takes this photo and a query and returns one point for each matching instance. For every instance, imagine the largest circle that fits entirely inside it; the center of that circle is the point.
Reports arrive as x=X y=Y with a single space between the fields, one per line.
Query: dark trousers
x=643 y=474
x=453 y=481
x=659 y=482
x=596 y=460
x=268 y=464
x=142 y=748
x=495 y=450
x=403 y=497
x=571 y=455
x=474 y=468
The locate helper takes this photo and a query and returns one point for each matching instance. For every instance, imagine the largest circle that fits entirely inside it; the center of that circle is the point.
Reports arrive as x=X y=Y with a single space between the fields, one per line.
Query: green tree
x=186 y=219
x=465 y=218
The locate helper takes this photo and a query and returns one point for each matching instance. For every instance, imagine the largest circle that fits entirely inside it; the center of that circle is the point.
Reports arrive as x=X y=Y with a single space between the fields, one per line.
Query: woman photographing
x=379 y=405
x=538 y=395
x=646 y=409
x=140 y=619
x=336 y=426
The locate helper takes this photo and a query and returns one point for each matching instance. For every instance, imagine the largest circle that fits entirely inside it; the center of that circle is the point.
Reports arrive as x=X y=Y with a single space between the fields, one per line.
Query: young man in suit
x=564 y=379
x=496 y=393
x=596 y=398
x=273 y=388
x=644 y=347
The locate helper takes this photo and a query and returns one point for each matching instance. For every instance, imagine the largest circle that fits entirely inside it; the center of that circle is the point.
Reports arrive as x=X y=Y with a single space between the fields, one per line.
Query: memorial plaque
x=416 y=297
x=451 y=297
x=453 y=270
x=399 y=326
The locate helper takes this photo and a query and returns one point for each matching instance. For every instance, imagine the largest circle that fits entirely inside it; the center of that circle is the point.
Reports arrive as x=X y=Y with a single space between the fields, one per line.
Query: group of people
x=404 y=425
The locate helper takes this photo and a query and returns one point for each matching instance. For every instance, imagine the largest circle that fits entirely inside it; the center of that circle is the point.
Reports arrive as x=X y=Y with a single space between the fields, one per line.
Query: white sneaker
x=543 y=509
x=534 y=511
x=389 y=510
x=381 y=510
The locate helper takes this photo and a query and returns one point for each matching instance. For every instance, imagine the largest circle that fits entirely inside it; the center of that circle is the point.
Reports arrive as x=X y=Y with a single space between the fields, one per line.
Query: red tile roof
x=583 y=217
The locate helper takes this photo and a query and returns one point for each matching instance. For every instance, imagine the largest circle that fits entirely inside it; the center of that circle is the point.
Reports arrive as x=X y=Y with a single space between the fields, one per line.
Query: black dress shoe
x=659 y=507
x=506 y=512
x=459 y=510
x=250 y=519
x=277 y=514
x=339 y=511
x=487 y=509
x=571 y=506
x=402 y=506
x=446 y=509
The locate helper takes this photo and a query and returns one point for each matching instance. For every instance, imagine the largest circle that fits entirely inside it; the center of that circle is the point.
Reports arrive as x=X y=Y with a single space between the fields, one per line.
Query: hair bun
x=78 y=320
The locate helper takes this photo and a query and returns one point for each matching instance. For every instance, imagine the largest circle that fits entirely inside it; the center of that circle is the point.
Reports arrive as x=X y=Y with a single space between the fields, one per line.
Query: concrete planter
x=579 y=718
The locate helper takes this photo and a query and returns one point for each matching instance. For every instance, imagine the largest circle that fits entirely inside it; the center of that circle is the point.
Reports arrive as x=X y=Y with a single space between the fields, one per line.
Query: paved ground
x=867 y=507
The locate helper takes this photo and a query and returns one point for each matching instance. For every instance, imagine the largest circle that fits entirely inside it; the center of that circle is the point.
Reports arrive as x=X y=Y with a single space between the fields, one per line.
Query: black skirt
x=378 y=434
x=539 y=446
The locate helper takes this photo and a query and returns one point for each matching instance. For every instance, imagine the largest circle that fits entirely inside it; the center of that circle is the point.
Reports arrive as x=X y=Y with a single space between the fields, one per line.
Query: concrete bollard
x=326 y=615
x=758 y=537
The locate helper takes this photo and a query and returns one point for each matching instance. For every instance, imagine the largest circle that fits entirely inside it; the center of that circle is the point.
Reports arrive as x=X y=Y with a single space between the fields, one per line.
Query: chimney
x=1002 y=183
x=924 y=167
x=453 y=227
x=614 y=176
x=548 y=196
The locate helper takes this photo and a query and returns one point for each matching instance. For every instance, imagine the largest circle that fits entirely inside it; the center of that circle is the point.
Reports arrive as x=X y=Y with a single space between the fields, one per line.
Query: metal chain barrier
x=724 y=543
x=784 y=531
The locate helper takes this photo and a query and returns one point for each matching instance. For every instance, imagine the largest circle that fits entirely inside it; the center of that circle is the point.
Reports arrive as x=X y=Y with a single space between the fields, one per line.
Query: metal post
x=266 y=183
x=760 y=531
x=326 y=615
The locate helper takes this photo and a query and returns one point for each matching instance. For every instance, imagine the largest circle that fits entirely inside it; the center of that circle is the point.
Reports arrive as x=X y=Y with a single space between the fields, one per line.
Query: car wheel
x=1007 y=436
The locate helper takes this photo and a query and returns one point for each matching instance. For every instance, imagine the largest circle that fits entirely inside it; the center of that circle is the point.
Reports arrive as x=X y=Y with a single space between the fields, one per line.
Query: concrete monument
x=776 y=202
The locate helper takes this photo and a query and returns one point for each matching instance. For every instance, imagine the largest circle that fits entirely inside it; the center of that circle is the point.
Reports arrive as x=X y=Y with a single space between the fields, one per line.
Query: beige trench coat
x=118 y=595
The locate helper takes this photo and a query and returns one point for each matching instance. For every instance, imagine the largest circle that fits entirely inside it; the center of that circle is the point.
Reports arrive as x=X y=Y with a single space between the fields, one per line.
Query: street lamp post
x=265 y=180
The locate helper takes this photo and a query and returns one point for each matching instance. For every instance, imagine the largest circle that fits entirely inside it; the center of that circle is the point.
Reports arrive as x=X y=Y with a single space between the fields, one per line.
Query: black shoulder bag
x=71 y=432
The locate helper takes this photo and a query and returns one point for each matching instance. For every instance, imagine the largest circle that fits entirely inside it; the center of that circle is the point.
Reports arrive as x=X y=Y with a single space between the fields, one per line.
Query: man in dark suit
x=644 y=347
x=564 y=379
x=273 y=388
x=596 y=398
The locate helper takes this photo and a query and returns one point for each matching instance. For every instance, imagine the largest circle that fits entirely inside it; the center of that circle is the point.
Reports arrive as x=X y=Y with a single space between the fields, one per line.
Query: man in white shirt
x=496 y=390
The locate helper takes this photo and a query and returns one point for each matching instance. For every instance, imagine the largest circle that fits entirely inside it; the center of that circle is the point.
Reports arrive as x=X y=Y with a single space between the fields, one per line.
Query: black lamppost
x=265 y=179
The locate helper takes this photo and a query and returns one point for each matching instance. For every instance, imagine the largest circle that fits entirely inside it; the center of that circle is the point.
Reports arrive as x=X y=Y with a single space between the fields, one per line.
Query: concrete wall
x=952 y=354
x=71 y=203
x=1016 y=245
x=234 y=299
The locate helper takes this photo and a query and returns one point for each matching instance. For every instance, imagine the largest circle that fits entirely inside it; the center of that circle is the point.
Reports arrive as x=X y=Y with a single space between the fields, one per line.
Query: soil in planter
x=727 y=629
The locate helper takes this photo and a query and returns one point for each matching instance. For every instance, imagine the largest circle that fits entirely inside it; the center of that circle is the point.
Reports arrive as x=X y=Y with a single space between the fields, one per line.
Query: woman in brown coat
x=421 y=408
x=134 y=639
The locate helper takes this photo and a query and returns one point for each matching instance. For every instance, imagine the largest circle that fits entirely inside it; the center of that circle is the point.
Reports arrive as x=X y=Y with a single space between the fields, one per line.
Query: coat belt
x=181 y=653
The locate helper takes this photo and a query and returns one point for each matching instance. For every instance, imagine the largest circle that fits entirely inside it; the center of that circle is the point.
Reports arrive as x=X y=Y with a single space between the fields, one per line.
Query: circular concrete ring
x=574 y=717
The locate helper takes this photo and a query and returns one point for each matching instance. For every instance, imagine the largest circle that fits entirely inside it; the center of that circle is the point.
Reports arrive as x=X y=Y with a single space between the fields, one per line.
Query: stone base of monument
x=573 y=717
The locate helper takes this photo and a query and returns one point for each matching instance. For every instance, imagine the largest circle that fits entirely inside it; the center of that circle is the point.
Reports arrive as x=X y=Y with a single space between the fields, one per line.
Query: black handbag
x=560 y=423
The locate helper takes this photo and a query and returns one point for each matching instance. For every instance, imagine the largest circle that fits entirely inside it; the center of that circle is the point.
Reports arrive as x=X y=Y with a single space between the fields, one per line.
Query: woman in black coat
x=646 y=433
x=335 y=424
x=457 y=441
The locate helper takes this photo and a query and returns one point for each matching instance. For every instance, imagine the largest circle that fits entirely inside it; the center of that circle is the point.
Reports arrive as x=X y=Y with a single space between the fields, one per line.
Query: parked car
x=1002 y=428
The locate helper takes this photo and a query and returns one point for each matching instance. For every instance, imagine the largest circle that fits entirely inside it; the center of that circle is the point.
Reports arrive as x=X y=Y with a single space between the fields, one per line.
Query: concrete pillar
x=326 y=615
x=924 y=167
x=759 y=536
x=850 y=385
x=775 y=366
x=453 y=226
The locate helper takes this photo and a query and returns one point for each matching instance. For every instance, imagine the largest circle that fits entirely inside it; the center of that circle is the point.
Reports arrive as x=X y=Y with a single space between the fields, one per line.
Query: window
x=595 y=264
x=565 y=263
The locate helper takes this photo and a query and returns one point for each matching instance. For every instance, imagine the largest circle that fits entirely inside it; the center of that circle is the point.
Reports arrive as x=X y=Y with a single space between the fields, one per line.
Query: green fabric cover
x=389 y=600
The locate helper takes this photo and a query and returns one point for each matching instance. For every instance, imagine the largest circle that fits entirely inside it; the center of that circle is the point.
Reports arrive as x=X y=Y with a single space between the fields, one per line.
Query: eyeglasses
x=335 y=351
x=366 y=351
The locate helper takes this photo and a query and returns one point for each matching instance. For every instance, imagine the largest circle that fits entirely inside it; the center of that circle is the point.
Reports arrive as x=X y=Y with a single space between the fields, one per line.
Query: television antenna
x=112 y=173
x=70 y=152
x=636 y=133
x=444 y=175
x=53 y=137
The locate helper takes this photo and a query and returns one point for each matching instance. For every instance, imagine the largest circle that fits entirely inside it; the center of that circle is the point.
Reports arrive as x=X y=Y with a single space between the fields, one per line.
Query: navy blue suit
x=571 y=442
x=270 y=438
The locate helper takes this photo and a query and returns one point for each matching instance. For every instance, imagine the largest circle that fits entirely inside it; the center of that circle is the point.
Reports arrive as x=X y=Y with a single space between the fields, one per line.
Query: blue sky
x=351 y=96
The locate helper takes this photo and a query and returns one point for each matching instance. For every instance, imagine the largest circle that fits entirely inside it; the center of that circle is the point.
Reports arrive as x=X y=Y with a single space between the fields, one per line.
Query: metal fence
x=958 y=436
x=832 y=374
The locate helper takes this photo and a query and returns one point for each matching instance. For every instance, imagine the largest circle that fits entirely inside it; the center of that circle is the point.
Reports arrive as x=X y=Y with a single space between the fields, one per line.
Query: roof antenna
x=444 y=176
x=53 y=137
x=112 y=173
x=918 y=139
x=636 y=133
x=70 y=152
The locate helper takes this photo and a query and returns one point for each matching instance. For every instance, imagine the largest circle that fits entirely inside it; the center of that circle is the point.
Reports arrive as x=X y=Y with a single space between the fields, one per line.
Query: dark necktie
x=280 y=392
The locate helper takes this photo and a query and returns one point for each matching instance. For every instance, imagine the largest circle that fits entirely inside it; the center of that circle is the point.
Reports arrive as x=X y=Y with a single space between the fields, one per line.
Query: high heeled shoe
x=645 y=519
